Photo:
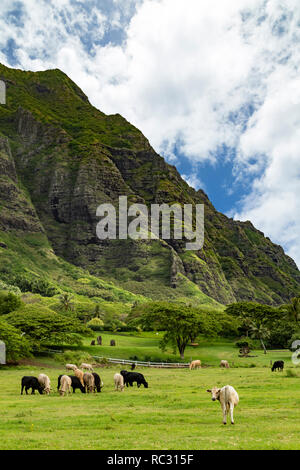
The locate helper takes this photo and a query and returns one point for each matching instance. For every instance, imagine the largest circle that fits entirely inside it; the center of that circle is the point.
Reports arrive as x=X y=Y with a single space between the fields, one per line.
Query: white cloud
x=194 y=181
x=189 y=74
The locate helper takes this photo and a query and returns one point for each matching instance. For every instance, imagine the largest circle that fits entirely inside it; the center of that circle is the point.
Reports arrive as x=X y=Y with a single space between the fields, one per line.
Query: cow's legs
x=224 y=414
x=231 y=413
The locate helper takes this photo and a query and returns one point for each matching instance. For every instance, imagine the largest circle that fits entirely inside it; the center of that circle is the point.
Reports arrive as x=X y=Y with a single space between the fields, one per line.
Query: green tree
x=246 y=323
x=179 y=323
x=261 y=332
x=293 y=309
x=42 y=325
x=16 y=345
x=255 y=311
x=96 y=324
x=66 y=301
x=9 y=302
x=98 y=312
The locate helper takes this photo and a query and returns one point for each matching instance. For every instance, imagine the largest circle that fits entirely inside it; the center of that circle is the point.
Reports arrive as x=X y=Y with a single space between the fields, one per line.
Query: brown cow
x=195 y=364
x=89 y=382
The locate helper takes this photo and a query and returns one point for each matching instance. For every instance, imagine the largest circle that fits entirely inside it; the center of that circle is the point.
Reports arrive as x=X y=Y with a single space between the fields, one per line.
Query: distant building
x=2 y=353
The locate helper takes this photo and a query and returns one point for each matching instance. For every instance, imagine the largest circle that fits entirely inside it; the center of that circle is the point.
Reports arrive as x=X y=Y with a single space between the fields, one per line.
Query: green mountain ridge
x=60 y=158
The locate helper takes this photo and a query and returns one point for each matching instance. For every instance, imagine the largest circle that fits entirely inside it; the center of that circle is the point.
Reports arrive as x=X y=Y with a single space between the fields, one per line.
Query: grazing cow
x=224 y=364
x=98 y=382
x=119 y=382
x=195 y=364
x=65 y=385
x=133 y=366
x=228 y=399
x=28 y=381
x=45 y=383
x=79 y=375
x=75 y=383
x=86 y=366
x=71 y=367
x=130 y=377
x=278 y=365
x=89 y=382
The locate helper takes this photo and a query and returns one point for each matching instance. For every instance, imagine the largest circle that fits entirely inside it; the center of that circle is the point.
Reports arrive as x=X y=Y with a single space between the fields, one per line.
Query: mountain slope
x=62 y=158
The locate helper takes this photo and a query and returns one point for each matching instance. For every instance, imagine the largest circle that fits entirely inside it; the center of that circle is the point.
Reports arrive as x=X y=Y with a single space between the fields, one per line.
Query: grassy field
x=145 y=346
x=175 y=412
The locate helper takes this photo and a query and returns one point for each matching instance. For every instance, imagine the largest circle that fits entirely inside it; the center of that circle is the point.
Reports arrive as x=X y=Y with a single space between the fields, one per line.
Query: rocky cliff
x=60 y=158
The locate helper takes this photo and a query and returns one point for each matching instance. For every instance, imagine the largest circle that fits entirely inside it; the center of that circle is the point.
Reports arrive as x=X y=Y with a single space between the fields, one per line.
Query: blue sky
x=214 y=86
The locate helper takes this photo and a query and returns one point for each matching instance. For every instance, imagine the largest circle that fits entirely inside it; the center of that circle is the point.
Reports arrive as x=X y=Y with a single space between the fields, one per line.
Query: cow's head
x=215 y=393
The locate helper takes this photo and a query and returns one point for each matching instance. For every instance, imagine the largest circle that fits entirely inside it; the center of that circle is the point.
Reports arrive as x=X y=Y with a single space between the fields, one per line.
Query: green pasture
x=175 y=412
x=145 y=346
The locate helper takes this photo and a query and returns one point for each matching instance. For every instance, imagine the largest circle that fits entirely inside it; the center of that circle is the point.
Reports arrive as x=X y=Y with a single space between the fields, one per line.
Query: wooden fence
x=169 y=365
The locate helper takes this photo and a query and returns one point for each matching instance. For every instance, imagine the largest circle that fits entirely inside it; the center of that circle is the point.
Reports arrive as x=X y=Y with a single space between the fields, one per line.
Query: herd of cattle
x=88 y=382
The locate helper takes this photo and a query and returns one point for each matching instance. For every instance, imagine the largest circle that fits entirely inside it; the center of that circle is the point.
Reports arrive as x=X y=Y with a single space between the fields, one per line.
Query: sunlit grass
x=175 y=412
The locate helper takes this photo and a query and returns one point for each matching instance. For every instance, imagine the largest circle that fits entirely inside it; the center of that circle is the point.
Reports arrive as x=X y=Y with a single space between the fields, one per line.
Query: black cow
x=28 y=381
x=97 y=382
x=130 y=377
x=75 y=383
x=278 y=365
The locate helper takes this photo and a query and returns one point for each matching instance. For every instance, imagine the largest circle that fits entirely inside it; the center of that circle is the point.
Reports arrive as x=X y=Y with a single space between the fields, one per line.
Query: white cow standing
x=228 y=399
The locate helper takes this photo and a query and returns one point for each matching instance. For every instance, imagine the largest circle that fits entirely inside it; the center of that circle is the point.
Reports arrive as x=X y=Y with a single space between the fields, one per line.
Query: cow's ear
x=209 y=391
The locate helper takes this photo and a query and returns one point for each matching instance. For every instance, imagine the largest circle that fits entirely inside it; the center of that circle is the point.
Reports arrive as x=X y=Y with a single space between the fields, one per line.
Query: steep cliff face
x=60 y=158
x=17 y=211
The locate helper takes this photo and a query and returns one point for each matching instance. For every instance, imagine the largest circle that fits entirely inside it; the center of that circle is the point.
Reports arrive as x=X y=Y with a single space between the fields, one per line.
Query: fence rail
x=169 y=365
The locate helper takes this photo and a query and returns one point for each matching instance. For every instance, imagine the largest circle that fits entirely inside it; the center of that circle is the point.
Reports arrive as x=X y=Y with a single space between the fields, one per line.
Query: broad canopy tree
x=179 y=323
x=42 y=325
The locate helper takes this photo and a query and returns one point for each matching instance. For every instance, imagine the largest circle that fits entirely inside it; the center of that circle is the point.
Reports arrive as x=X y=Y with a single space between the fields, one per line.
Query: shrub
x=245 y=342
x=30 y=284
x=76 y=357
x=96 y=324
x=103 y=361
